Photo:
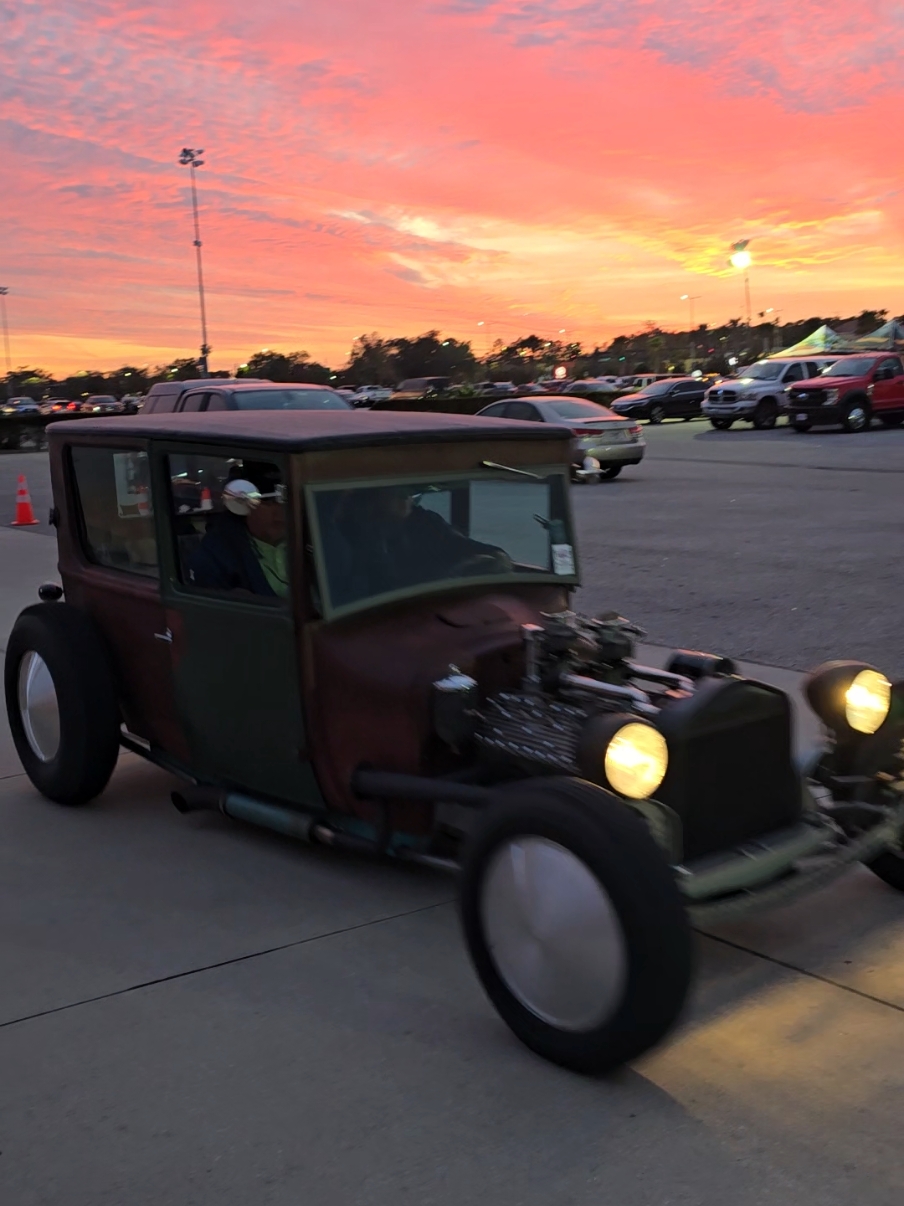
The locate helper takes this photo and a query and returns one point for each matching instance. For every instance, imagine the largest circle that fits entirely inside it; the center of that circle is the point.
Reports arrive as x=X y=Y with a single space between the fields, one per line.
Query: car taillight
x=586 y=431
x=635 y=429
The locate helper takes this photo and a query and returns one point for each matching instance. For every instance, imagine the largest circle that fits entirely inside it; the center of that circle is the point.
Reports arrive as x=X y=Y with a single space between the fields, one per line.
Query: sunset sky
x=374 y=165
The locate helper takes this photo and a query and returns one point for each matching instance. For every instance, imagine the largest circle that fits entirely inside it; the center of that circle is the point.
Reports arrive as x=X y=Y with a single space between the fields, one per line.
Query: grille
x=731 y=782
x=533 y=728
x=808 y=397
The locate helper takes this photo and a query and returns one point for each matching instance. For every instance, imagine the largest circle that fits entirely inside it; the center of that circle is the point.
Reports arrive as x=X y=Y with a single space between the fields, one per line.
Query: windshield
x=290 y=399
x=375 y=542
x=579 y=410
x=765 y=370
x=851 y=366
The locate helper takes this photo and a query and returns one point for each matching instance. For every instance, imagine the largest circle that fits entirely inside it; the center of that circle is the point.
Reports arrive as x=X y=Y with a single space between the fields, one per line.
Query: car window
x=290 y=399
x=386 y=539
x=893 y=363
x=496 y=411
x=193 y=401
x=574 y=409
x=812 y=369
x=162 y=402
x=238 y=544
x=115 y=508
x=217 y=402
x=794 y=373
x=523 y=410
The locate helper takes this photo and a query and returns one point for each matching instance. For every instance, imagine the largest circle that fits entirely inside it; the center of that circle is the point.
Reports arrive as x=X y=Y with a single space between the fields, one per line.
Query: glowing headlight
x=867 y=700
x=636 y=760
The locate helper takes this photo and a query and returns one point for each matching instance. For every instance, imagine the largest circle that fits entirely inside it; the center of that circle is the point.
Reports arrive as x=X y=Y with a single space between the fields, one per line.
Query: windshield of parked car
x=851 y=366
x=290 y=399
x=375 y=542
x=765 y=370
x=579 y=410
x=657 y=387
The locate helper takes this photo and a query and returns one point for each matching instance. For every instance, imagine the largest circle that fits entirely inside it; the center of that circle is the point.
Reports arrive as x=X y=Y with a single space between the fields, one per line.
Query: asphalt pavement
x=195 y=1012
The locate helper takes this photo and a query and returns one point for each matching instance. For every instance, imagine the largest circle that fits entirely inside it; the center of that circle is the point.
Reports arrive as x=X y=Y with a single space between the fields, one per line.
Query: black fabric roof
x=299 y=430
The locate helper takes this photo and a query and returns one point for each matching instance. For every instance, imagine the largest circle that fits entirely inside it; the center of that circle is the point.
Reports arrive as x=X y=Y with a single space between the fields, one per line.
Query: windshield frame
x=441 y=586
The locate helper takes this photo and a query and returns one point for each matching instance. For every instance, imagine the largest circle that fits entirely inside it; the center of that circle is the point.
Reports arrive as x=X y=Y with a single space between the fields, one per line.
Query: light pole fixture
x=690 y=298
x=191 y=158
x=4 y=289
x=740 y=258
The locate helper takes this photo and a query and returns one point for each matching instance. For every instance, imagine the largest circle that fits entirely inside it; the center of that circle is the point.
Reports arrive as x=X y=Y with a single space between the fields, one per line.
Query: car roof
x=300 y=430
x=257 y=386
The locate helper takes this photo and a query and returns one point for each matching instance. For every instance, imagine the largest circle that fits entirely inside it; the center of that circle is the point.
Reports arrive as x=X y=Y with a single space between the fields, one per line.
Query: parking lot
x=196 y=1012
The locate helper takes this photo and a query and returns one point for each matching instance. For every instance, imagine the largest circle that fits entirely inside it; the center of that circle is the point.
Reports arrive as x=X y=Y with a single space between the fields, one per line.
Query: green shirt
x=273 y=562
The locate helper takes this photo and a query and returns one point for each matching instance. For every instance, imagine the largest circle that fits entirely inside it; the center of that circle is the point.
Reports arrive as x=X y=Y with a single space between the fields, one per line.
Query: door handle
x=164 y=636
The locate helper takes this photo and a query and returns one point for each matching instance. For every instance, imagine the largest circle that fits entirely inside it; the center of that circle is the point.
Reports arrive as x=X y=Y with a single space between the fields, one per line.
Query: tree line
x=374 y=360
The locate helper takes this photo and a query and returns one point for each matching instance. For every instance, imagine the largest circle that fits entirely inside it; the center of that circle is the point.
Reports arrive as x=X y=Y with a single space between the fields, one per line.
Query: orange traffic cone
x=206 y=500
x=25 y=516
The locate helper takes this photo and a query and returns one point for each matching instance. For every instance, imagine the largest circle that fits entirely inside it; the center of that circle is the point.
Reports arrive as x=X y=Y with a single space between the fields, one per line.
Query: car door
x=110 y=568
x=234 y=654
x=676 y=400
x=888 y=385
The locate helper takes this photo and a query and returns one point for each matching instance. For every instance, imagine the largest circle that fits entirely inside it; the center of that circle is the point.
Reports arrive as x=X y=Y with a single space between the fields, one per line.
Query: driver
x=393 y=543
x=244 y=547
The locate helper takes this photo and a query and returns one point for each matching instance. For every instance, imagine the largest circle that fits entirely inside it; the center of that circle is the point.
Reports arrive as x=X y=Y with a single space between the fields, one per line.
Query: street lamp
x=740 y=258
x=4 y=289
x=192 y=159
x=690 y=299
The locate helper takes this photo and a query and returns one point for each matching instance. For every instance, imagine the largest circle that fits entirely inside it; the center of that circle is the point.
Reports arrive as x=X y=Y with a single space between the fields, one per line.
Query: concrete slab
x=24 y=565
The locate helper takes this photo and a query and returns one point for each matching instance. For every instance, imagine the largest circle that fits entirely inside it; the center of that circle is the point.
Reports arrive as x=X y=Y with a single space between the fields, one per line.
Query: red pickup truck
x=851 y=392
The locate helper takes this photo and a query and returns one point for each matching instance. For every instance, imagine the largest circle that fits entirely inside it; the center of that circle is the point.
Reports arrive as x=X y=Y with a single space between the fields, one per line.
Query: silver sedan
x=604 y=442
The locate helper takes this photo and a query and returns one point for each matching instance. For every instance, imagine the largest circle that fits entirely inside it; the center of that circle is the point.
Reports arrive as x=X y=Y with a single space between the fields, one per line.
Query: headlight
x=867 y=700
x=849 y=696
x=831 y=396
x=636 y=760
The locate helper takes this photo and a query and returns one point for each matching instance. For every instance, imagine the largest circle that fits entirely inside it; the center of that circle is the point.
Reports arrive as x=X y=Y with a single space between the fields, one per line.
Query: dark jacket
x=225 y=558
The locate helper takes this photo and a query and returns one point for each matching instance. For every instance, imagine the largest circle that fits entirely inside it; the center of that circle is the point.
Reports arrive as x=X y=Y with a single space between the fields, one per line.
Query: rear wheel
x=855 y=416
x=657 y=414
x=574 y=923
x=609 y=471
x=766 y=415
x=891 y=420
x=61 y=702
x=801 y=424
x=721 y=424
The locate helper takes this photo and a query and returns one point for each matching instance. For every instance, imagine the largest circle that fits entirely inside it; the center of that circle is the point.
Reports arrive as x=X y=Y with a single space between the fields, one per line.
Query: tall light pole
x=192 y=159
x=740 y=258
x=690 y=299
x=4 y=289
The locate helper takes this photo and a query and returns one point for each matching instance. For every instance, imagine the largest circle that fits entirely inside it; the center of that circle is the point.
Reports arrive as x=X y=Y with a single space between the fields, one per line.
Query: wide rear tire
x=61 y=702
x=575 y=924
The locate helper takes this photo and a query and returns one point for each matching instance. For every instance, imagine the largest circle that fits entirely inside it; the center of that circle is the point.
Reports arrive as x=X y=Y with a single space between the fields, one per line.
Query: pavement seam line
x=705 y=460
x=194 y=971
x=857 y=992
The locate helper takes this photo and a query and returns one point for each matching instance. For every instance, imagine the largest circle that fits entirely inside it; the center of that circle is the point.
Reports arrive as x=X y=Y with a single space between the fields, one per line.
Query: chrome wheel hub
x=857 y=418
x=553 y=934
x=38 y=707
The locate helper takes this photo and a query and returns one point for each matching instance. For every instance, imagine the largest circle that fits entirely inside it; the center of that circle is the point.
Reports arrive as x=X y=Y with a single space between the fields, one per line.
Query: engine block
x=532 y=728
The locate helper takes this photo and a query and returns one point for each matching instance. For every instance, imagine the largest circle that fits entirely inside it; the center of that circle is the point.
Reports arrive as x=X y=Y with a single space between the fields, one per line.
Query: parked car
x=366 y=395
x=416 y=388
x=851 y=392
x=602 y=443
x=413 y=685
x=668 y=398
x=102 y=404
x=132 y=403
x=589 y=385
x=54 y=406
x=756 y=394
x=495 y=389
x=166 y=395
x=532 y=387
x=262 y=395
x=20 y=406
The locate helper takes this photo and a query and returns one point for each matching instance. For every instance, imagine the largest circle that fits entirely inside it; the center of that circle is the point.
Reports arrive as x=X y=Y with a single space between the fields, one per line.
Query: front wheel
x=657 y=414
x=801 y=424
x=609 y=471
x=765 y=416
x=575 y=924
x=855 y=417
x=61 y=701
x=721 y=424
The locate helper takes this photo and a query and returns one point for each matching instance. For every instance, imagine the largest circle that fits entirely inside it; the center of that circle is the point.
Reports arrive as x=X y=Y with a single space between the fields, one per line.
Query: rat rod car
x=355 y=629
